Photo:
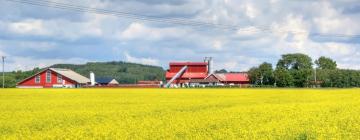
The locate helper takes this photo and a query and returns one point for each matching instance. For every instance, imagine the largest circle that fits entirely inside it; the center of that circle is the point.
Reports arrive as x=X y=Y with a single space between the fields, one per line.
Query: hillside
x=124 y=72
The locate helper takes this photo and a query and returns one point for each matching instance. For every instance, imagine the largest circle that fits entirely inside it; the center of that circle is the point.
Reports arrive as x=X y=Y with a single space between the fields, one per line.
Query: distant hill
x=123 y=72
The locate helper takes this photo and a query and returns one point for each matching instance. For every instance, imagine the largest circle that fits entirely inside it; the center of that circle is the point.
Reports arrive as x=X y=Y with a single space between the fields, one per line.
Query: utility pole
x=315 y=78
x=3 y=71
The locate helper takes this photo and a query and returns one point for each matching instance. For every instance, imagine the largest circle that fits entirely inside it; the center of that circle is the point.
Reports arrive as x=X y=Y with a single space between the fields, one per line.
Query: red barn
x=181 y=73
x=54 y=78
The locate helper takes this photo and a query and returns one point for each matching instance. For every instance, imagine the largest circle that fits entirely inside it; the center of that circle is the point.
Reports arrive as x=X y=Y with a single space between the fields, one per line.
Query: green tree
x=254 y=75
x=283 y=78
x=326 y=63
x=299 y=66
x=267 y=75
x=295 y=61
x=262 y=75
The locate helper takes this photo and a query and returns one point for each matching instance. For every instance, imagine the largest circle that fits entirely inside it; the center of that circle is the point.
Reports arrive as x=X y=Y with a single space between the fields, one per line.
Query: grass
x=179 y=114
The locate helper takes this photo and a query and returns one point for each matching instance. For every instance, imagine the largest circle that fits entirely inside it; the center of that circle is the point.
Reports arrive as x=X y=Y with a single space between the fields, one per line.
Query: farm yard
x=180 y=114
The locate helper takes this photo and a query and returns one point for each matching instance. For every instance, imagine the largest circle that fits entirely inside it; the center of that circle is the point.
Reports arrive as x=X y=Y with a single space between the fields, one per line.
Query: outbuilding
x=106 y=81
x=230 y=78
x=54 y=78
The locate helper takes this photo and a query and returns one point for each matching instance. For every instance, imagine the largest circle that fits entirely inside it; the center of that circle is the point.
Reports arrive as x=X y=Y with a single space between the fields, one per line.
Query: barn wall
x=191 y=68
x=197 y=68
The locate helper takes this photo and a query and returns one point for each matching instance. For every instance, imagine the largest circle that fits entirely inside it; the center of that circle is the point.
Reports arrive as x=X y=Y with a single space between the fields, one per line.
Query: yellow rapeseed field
x=179 y=114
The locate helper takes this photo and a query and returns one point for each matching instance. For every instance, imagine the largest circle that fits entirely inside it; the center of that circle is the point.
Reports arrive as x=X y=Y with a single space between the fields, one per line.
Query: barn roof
x=231 y=77
x=71 y=75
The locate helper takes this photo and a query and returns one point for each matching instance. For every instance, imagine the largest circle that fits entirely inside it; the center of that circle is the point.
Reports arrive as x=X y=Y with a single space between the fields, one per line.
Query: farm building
x=106 y=81
x=182 y=74
x=230 y=78
x=222 y=79
x=54 y=78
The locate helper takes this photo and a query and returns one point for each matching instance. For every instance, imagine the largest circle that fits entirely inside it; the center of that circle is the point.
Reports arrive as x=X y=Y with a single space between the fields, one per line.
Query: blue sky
x=33 y=36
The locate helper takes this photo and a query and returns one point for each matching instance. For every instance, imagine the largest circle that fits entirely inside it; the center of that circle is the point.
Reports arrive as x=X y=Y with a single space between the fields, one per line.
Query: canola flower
x=180 y=114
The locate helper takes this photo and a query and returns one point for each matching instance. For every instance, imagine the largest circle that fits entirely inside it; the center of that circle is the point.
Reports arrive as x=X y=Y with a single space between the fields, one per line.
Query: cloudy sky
x=33 y=36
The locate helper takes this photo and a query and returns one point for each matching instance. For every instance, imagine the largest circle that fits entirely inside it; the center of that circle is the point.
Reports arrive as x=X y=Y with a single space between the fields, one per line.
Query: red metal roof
x=187 y=75
x=188 y=63
x=234 y=77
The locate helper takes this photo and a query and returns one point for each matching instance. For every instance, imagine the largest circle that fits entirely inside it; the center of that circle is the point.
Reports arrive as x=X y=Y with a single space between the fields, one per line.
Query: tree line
x=296 y=70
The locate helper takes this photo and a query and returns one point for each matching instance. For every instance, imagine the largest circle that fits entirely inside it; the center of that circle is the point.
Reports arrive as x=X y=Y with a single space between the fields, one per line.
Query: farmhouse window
x=59 y=79
x=37 y=79
x=48 y=76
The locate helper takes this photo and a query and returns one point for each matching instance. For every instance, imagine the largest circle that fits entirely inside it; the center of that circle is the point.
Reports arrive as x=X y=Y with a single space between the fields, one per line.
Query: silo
x=92 y=78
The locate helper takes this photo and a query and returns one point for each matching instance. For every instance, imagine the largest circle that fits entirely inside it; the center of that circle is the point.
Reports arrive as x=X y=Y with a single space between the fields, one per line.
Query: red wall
x=31 y=81
x=191 y=68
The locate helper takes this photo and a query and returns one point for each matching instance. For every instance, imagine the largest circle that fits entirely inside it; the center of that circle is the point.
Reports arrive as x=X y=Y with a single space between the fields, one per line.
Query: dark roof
x=103 y=80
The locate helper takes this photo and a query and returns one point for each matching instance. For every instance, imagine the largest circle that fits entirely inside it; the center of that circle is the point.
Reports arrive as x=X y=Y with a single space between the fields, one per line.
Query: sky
x=34 y=36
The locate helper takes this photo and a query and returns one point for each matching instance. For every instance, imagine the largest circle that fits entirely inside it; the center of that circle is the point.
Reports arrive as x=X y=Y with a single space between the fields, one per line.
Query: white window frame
x=59 y=79
x=37 y=79
x=48 y=76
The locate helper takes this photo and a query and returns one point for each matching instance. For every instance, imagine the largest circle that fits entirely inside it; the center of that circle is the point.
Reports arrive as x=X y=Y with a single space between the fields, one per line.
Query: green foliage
x=301 y=77
x=262 y=75
x=295 y=61
x=339 y=78
x=283 y=78
x=254 y=75
x=326 y=63
x=298 y=65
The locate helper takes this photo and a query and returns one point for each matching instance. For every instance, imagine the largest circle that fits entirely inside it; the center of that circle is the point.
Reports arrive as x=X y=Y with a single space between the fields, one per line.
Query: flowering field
x=179 y=114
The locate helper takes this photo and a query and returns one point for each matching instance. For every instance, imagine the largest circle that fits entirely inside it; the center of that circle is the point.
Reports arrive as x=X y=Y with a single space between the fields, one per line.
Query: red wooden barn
x=54 y=78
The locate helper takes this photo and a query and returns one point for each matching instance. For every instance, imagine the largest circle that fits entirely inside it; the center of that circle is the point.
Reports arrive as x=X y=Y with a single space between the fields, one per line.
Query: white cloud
x=140 y=31
x=248 y=31
x=185 y=42
x=29 y=45
x=30 y=27
x=332 y=21
x=28 y=63
x=146 y=61
x=58 y=28
x=217 y=44
x=251 y=11
x=230 y=65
